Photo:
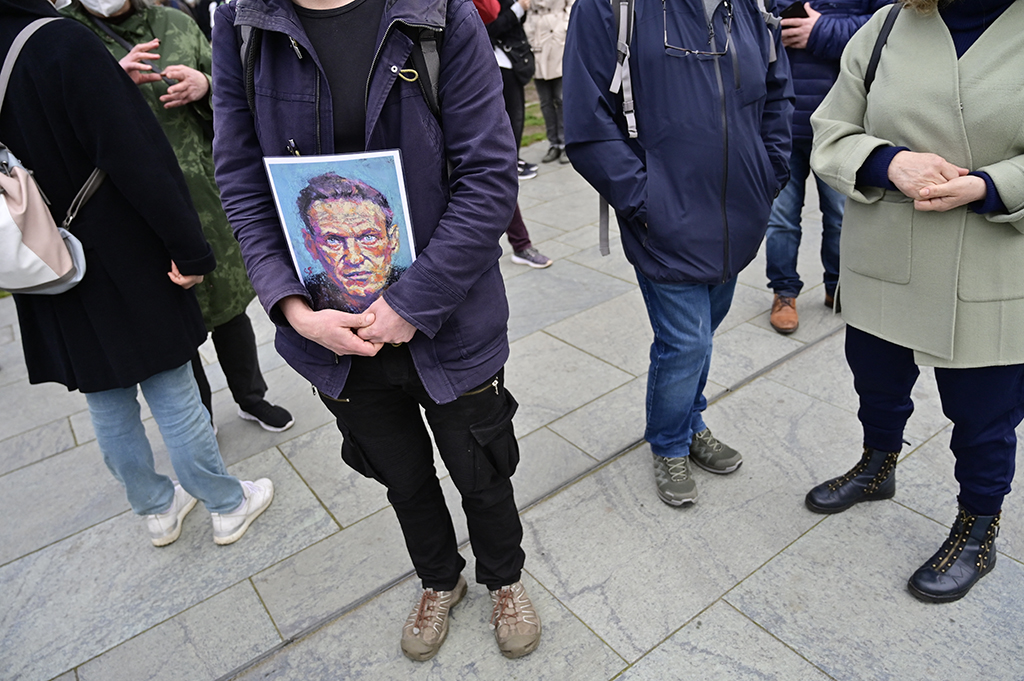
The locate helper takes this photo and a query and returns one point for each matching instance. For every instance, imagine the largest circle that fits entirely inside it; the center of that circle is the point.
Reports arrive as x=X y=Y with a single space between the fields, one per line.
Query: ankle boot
x=872 y=479
x=964 y=558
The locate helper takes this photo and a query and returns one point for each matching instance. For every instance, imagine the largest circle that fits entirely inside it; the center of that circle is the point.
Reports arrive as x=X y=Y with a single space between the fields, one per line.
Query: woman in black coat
x=132 y=320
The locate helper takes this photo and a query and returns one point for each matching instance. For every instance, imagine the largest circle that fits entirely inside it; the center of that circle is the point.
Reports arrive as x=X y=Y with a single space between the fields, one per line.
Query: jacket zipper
x=316 y=98
x=725 y=172
x=373 y=64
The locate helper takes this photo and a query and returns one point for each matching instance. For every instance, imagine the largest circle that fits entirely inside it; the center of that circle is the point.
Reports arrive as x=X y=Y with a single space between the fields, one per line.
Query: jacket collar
x=279 y=15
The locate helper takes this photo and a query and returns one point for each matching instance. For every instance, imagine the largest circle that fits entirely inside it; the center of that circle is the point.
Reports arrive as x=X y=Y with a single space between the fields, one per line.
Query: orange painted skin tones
x=349 y=238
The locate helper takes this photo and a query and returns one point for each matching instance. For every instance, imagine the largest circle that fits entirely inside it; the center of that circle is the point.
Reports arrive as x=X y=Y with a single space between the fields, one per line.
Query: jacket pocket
x=876 y=240
x=495 y=450
x=990 y=262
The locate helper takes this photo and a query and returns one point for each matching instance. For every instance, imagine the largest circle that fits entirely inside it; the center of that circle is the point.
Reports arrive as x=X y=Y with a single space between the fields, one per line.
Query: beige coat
x=948 y=285
x=546 y=23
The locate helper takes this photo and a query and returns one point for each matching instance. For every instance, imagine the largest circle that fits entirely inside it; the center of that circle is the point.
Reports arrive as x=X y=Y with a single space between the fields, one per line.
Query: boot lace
x=426 y=613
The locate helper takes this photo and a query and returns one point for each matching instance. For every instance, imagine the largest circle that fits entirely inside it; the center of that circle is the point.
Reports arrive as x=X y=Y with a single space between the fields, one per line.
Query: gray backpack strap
x=772 y=22
x=248 y=52
x=620 y=81
x=876 y=53
x=427 y=45
x=12 y=54
x=95 y=179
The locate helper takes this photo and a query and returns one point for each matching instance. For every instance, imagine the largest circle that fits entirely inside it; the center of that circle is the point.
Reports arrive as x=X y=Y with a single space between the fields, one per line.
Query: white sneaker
x=165 y=527
x=229 y=527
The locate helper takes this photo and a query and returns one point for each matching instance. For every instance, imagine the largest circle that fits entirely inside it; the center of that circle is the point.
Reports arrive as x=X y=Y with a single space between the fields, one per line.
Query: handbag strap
x=12 y=54
x=95 y=179
x=876 y=52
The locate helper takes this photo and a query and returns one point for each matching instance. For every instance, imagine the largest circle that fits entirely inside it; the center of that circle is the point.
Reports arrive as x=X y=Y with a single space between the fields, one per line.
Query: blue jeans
x=684 y=318
x=185 y=426
x=783 y=239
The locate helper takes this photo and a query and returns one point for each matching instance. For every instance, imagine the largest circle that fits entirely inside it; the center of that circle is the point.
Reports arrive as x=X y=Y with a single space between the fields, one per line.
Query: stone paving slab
x=364 y=644
x=721 y=644
x=80 y=597
x=206 y=641
x=846 y=608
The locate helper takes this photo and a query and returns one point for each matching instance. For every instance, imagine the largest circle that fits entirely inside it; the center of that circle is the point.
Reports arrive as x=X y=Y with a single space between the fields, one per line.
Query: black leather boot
x=872 y=479
x=967 y=556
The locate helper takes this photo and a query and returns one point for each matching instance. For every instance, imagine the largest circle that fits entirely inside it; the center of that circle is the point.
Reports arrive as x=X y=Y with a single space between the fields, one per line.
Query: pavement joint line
x=355 y=605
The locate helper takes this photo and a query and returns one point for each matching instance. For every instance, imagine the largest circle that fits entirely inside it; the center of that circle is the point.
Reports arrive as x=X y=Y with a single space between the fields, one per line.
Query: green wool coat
x=225 y=292
x=948 y=285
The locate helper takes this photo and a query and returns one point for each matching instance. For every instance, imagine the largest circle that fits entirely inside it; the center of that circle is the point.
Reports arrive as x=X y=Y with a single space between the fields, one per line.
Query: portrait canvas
x=346 y=220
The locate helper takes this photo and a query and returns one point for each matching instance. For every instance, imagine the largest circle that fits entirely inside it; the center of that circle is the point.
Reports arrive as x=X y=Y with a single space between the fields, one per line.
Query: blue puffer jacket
x=453 y=293
x=692 y=193
x=816 y=68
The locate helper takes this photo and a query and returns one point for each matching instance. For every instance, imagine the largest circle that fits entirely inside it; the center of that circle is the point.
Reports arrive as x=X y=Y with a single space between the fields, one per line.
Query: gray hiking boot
x=673 y=480
x=712 y=455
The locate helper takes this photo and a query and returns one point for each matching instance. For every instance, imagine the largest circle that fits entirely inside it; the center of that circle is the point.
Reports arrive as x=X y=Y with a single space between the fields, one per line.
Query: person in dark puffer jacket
x=814 y=45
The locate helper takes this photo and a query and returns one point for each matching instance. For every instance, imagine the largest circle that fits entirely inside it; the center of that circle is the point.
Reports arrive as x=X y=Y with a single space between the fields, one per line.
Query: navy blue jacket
x=816 y=67
x=692 y=193
x=453 y=293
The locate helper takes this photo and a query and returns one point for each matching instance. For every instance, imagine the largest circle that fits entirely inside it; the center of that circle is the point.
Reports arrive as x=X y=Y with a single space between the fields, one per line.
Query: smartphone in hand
x=794 y=11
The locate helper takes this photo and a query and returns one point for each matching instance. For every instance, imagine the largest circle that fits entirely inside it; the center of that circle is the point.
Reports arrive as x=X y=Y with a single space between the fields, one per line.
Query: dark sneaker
x=552 y=155
x=426 y=628
x=514 y=621
x=532 y=257
x=712 y=455
x=270 y=416
x=527 y=171
x=673 y=481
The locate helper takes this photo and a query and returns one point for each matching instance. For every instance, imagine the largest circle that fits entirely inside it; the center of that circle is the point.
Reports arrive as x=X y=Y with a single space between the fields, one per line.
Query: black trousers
x=235 y=342
x=515 y=103
x=985 y=404
x=385 y=438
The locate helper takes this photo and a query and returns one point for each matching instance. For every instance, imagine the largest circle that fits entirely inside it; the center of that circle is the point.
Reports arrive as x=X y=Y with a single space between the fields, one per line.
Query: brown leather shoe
x=830 y=303
x=784 y=318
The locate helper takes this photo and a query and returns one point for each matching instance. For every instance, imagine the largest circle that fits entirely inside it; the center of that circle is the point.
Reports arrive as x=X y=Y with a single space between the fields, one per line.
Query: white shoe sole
x=529 y=263
x=246 y=416
x=173 y=536
x=237 y=534
x=716 y=471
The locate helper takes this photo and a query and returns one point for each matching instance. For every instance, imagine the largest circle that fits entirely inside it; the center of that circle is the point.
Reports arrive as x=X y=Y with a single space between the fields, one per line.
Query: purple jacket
x=453 y=293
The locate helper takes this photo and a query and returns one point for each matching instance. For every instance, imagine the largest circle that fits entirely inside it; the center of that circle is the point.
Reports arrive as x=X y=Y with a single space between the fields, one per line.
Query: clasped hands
x=348 y=334
x=934 y=183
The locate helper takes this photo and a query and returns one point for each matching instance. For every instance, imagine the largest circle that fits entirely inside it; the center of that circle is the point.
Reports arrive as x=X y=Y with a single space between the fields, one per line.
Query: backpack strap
x=426 y=60
x=876 y=53
x=12 y=54
x=248 y=52
x=620 y=81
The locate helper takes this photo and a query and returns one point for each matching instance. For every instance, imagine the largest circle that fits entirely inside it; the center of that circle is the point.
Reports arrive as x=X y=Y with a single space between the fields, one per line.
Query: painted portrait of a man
x=348 y=227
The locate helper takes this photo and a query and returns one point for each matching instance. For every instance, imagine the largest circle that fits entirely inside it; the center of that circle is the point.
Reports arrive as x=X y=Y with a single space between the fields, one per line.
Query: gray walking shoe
x=673 y=480
x=712 y=455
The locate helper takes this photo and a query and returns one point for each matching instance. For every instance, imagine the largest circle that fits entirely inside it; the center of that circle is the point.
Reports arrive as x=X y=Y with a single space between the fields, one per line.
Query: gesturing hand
x=953 y=194
x=911 y=172
x=333 y=329
x=192 y=86
x=132 y=62
x=389 y=326
x=797 y=31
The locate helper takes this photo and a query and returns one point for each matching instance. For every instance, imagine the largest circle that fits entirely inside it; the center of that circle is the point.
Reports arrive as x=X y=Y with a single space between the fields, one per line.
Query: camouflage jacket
x=226 y=291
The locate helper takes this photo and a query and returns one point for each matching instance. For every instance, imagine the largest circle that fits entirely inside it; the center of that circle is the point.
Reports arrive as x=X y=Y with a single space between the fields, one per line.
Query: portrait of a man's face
x=347 y=223
x=348 y=228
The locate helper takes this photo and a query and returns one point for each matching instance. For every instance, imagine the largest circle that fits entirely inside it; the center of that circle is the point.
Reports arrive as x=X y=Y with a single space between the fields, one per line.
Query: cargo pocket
x=496 y=452
x=352 y=454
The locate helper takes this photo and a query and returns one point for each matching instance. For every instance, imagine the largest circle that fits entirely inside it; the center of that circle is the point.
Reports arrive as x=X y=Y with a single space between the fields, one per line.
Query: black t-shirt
x=345 y=39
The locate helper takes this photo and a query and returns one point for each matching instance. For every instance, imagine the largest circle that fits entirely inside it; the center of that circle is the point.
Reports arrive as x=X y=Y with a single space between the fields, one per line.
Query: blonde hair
x=922 y=6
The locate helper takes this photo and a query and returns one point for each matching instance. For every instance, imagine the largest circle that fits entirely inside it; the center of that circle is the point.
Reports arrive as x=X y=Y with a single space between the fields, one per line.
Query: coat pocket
x=495 y=450
x=990 y=262
x=876 y=240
